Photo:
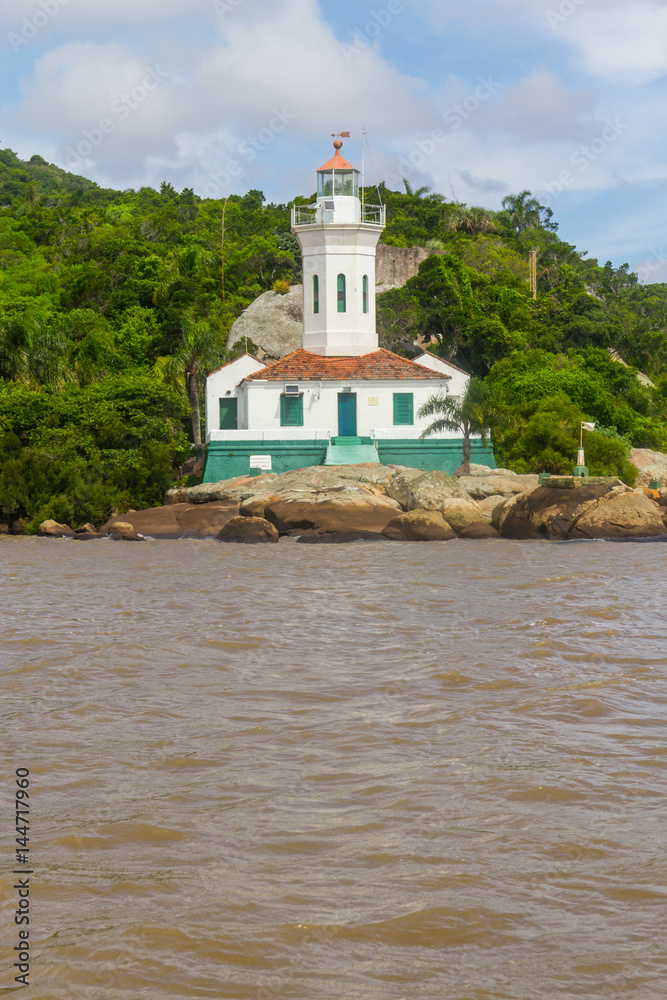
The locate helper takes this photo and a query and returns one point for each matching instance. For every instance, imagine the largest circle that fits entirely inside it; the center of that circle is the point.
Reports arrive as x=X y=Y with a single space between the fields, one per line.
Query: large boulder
x=430 y=490
x=51 y=529
x=182 y=520
x=459 y=512
x=481 y=487
x=319 y=477
x=651 y=465
x=584 y=509
x=398 y=486
x=249 y=530
x=545 y=512
x=419 y=526
x=487 y=507
x=620 y=515
x=327 y=510
x=273 y=322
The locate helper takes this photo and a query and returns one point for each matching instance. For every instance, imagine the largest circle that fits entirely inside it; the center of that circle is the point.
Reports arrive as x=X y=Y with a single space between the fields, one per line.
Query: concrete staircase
x=351 y=451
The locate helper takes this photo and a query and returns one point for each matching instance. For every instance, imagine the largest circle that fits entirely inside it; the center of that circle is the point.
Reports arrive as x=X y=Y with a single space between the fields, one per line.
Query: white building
x=340 y=399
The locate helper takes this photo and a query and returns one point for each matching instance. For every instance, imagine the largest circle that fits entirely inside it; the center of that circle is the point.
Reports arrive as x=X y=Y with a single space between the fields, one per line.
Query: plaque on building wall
x=373 y=400
x=260 y=462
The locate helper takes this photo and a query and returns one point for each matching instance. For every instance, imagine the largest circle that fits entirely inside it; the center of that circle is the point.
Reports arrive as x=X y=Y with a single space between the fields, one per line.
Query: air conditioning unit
x=292 y=390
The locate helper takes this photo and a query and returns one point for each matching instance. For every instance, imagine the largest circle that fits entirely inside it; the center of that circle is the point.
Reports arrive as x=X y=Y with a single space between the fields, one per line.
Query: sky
x=476 y=99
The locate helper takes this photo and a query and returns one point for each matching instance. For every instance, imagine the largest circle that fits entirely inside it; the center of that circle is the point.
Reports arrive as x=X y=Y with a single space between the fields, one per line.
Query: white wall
x=320 y=405
x=459 y=379
x=223 y=384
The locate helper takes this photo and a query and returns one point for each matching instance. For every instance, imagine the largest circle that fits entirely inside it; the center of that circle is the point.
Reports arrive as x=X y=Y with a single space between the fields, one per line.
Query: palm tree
x=199 y=350
x=475 y=221
x=525 y=212
x=471 y=413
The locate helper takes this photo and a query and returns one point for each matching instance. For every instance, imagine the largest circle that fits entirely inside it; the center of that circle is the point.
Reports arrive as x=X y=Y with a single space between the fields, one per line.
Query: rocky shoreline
x=325 y=504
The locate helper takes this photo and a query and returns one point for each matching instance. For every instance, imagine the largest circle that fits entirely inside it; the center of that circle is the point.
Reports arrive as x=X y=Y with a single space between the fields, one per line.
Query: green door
x=347 y=414
x=228 y=414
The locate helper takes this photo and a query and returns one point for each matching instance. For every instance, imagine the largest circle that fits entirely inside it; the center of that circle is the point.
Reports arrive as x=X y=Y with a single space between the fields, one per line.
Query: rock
x=320 y=477
x=339 y=537
x=430 y=490
x=21 y=526
x=273 y=322
x=595 y=509
x=248 y=529
x=459 y=513
x=545 y=512
x=651 y=465
x=620 y=515
x=86 y=536
x=347 y=510
x=230 y=491
x=87 y=528
x=399 y=485
x=254 y=507
x=481 y=487
x=51 y=529
x=487 y=507
x=123 y=531
x=479 y=529
x=193 y=466
x=4 y=529
x=419 y=526
x=179 y=520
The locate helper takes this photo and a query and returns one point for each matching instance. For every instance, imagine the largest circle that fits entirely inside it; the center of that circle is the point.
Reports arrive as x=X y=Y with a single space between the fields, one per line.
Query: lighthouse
x=341 y=399
x=338 y=237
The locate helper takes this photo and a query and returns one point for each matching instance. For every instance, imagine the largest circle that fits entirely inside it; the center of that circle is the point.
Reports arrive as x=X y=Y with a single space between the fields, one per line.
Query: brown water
x=357 y=772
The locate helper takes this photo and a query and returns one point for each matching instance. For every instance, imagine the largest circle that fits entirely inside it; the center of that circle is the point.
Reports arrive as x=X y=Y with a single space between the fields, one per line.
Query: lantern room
x=337 y=178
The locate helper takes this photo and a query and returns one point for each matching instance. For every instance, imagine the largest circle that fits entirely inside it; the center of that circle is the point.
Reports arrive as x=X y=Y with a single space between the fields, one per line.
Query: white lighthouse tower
x=338 y=238
x=340 y=399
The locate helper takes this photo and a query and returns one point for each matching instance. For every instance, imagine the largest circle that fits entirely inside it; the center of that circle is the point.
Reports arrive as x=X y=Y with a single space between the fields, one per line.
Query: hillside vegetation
x=115 y=305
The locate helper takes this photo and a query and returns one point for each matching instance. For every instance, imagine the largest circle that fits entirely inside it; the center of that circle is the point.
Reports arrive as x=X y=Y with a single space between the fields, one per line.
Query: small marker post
x=580 y=469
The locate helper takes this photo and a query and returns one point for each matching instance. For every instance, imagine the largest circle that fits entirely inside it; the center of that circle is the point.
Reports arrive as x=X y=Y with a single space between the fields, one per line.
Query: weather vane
x=340 y=135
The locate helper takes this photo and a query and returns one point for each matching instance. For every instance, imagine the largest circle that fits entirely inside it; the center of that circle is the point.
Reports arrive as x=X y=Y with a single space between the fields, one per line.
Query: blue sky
x=480 y=99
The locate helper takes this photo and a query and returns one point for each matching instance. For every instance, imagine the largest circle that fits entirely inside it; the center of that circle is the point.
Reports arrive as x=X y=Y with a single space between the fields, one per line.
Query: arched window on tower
x=316 y=294
x=342 y=298
x=364 y=293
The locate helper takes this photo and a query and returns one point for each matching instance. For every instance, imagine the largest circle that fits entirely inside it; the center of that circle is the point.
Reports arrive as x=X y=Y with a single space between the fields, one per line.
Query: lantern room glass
x=338 y=182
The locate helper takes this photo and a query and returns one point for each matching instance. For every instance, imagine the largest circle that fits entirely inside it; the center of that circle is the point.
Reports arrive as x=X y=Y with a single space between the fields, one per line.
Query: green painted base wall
x=227 y=459
x=443 y=455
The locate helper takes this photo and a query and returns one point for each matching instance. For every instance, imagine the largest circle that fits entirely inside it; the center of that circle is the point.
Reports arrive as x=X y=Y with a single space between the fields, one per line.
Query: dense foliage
x=114 y=305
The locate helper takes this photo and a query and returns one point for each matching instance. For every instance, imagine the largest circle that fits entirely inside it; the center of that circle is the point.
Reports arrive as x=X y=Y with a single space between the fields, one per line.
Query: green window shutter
x=403 y=408
x=316 y=294
x=228 y=414
x=365 y=293
x=291 y=411
x=342 y=297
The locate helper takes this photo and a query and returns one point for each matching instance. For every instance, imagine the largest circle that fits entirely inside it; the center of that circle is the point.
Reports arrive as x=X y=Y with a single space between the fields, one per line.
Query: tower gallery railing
x=302 y=215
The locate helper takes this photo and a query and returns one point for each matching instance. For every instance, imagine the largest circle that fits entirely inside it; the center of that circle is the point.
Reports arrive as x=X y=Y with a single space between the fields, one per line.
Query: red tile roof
x=306 y=367
x=337 y=162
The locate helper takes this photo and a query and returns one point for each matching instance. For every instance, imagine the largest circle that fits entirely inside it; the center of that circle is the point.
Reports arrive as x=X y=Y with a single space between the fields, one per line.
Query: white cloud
x=623 y=43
